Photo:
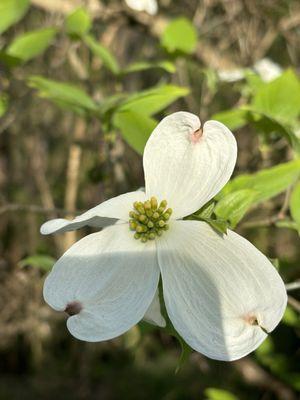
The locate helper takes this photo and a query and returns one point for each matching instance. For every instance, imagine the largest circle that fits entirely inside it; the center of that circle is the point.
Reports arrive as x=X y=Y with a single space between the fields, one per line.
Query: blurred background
x=82 y=85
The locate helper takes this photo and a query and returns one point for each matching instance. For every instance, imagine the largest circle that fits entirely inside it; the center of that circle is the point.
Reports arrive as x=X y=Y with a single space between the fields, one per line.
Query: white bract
x=267 y=69
x=149 y=6
x=222 y=295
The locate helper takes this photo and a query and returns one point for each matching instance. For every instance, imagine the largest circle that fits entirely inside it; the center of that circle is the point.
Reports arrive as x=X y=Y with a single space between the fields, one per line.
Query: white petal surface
x=153 y=314
x=111 y=275
x=184 y=168
x=215 y=287
x=105 y=214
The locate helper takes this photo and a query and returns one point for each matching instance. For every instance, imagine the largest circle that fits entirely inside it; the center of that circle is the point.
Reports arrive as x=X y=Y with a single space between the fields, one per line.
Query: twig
x=257 y=376
x=73 y=175
x=35 y=209
x=293 y=286
x=294 y=303
x=262 y=223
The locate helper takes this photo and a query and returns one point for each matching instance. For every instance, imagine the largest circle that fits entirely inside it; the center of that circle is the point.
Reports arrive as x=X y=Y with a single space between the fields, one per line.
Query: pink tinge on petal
x=196 y=136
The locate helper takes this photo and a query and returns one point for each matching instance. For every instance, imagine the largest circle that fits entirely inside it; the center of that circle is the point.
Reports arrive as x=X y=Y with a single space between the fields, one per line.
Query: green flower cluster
x=149 y=220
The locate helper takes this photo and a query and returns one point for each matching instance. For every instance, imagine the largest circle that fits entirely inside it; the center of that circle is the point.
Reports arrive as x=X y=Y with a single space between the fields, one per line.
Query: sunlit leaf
x=108 y=59
x=63 y=94
x=219 y=394
x=151 y=101
x=78 y=22
x=233 y=119
x=168 y=66
x=280 y=98
x=135 y=128
x=295 y=204
x=11 y=11
x=180 y=35
x=31 y=44
x=40 y=261
x=267 y=183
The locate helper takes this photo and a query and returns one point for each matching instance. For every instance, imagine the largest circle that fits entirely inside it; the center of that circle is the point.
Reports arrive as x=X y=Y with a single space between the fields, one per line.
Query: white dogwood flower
x=149 y=6
x=221 y=294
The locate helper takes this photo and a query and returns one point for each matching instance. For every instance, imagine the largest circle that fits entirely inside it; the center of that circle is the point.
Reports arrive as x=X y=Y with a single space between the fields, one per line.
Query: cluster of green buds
x=149 y=219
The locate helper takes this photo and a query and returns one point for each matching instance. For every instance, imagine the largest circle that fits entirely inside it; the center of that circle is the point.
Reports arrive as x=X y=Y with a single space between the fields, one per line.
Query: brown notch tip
x=73 y=308
x=196 y=136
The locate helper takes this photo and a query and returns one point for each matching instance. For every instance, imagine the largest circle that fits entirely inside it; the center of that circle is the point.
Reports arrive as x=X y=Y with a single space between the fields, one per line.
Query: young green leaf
x=267 y=183
x=135 y=128
x=44 y=262
x=167 y=66
x=3 y=104
x=31 y=44
x=78 y=23
x=219 y=394
x=63 y=94
x=234 y=206
x=279 y=98
x=11 y=11
x=153 y=100
x=234 y=119
x=180 y=35
x=295 y=204
x=108 y=59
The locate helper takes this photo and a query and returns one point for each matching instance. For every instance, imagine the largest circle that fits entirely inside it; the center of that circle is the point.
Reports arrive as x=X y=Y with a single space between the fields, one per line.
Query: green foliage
x=266 y=183
x=108 y=59
x=31 y=44
x=167 y=66
x=233 y=206
x=78 y=23
x=151 y=101
x=279 y=99
x=135 y=128
x=233 y=119
x=11 y=11
x=295 y=204
x=219 y=394
x=41 y=261
x=63 y=94
x=3 y=104
x=180 y=35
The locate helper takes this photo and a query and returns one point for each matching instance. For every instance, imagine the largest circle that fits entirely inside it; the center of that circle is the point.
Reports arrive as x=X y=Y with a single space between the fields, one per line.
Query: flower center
x=149 y=219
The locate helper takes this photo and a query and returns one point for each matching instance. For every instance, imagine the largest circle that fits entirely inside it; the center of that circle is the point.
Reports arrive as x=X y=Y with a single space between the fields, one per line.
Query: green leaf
x=219 y=394
x=180 y=35
x=45 y=263
x=234 y=119
x=207 y=210
x=3 y=104
x=279 y=99
x=168 y=66
x=31 y=44
x=290 y=317
x=63 y=94
x=11 y=11
x=108 y=59
x=78 y=23
x=267 y=183
x=234 y=206
x=135 y=128
x=218 y=224
x=295 y=204
x=153 y=100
